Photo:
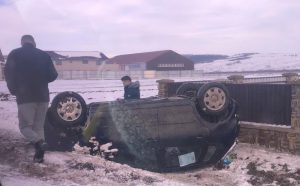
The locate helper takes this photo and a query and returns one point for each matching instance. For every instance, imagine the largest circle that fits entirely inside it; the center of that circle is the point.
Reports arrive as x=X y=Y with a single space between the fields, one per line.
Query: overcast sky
x=127 y=26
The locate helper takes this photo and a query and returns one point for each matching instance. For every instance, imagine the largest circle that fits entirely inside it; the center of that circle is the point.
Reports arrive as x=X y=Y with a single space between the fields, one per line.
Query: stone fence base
x=281 y=138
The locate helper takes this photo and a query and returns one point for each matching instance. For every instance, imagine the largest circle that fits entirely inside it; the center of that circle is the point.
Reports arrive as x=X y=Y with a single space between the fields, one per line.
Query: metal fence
x=263 y=103
x=258 y=102
x=255 y=80
x=136 y=74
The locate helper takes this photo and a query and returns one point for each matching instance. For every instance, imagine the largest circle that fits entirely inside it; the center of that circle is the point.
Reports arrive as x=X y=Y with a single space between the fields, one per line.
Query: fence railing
x=136 y=74
x=275 y=79
x=257 y=80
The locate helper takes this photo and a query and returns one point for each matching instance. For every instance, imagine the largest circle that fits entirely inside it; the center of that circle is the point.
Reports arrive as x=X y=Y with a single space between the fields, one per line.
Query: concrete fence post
x=236 y=79
x=1 y=71
x=163 y=86
x=291 y=77
x=295 y=104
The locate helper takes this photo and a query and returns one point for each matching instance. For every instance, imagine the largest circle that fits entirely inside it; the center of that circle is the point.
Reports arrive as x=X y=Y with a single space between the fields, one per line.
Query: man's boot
x=40 y=148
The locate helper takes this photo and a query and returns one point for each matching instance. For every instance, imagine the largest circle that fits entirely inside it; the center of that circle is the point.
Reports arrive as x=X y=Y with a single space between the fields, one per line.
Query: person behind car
x=27 y=72
x=131 y=89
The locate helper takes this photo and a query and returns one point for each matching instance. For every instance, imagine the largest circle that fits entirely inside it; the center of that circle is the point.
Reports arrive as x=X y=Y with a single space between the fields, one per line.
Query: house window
x=107 y=62
x=134 y=66
x=58 y=62
x=99 y=63
x=177 y=65
x=85 y=61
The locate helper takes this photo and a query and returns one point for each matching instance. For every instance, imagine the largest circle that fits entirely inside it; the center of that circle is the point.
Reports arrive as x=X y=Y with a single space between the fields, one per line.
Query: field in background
x=266 y=62
x=104 y=90
x=108 y=90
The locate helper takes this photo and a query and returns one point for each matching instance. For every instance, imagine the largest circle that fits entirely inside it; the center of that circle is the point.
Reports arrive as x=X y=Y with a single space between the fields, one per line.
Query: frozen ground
x=252 y=165
x=255 y=62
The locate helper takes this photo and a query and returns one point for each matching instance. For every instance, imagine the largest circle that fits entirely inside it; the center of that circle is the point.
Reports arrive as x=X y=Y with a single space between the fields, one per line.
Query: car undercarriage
x=196 y=128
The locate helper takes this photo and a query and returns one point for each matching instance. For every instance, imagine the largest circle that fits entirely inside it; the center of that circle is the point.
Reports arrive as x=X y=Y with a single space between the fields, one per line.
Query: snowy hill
x=253 y=62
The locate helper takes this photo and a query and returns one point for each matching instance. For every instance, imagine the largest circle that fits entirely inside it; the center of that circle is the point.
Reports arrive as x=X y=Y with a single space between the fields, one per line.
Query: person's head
x=27 y=39
x=126 y=80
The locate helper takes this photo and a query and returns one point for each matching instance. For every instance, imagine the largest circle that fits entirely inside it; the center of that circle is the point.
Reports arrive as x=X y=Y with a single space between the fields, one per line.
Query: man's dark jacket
x=28 y=71
x=132 y=91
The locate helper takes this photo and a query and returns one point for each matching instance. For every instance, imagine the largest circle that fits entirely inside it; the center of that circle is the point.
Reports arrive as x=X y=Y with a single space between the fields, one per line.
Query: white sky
x=126 y=26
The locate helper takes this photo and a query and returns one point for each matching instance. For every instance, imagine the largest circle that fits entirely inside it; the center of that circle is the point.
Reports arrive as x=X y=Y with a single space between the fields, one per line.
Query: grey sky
x=126 y=26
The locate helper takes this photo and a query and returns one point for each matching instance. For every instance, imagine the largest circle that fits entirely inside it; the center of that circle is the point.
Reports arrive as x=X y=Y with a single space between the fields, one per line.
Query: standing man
x=27 y=72
x=131 y=90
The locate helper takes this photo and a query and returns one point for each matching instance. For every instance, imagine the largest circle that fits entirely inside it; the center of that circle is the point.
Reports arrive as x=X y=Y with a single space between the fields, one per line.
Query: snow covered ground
x=252 y=165
x=253 y=62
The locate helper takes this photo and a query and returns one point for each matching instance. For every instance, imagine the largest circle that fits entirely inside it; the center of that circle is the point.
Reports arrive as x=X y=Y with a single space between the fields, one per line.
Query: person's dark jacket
x=28 y=71
x=132 y=91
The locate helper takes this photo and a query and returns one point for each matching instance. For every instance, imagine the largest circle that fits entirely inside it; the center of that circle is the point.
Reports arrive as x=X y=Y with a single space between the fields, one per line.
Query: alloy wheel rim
x=69 y=109
x=214 y=98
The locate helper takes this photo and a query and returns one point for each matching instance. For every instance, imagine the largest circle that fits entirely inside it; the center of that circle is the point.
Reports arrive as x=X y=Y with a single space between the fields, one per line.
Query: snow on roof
x=79 y=53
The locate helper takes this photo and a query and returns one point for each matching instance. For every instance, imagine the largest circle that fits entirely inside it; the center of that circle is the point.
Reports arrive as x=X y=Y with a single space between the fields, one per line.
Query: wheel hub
x=69 y=109
x=214 y=98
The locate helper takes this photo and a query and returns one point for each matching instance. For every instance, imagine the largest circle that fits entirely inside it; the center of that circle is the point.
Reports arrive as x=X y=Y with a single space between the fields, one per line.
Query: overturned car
x=196 y=128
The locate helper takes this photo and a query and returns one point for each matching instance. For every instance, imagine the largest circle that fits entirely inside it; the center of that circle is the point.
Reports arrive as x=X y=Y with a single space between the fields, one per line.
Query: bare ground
x=253 y=166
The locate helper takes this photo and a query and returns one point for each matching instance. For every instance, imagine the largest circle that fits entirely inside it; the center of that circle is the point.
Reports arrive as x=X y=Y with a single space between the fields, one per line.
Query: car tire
x=68 y=109
x=58 y=139
x=188 y=90
x=213 y=98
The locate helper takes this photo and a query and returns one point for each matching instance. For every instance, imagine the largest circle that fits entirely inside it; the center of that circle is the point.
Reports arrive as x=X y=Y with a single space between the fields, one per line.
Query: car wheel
x=68 y=109
x=213 y=98
x=58 y=139
x=188 y=90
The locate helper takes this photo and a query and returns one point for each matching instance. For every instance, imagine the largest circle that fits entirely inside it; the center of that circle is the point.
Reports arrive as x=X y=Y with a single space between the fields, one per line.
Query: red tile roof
x=137 y=57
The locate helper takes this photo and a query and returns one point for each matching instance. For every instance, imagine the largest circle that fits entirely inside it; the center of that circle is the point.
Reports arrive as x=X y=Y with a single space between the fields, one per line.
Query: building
x=165 y=60
x=1 y=57
x=80 y=61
